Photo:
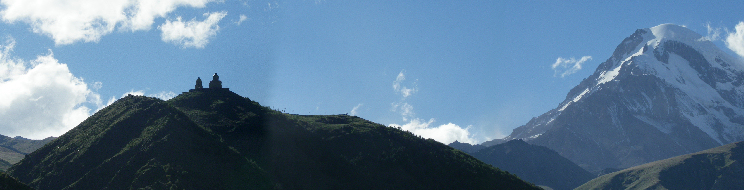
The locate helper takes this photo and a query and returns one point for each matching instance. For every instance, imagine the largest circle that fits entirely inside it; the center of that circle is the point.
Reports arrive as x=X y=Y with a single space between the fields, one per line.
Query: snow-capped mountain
x=665 y=91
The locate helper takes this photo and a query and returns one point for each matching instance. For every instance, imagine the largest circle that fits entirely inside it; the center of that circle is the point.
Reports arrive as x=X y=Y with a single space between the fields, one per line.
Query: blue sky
x=449 y=70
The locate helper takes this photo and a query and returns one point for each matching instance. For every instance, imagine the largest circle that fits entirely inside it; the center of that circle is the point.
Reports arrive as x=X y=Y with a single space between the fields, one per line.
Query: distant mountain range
x=664 y=92
x=14 y=149
x=216 y=139
x=467 y=148
x=718 y=168
x=533 y=163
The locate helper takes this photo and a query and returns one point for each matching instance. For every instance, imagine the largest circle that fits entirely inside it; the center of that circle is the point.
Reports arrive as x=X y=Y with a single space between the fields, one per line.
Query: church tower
x=215 y=83
x=198 y=83
x=214 y=86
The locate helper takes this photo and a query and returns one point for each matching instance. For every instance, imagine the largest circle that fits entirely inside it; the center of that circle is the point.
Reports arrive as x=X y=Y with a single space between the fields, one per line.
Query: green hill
x=536 y=164
x=216 y=139
x=138 y=142
x=717 y=168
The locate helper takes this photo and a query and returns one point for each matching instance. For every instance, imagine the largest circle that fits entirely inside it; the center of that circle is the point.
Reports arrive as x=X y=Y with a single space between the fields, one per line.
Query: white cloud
x=9 y=66
x=135 y=93
x=271 y=6
x=404 y=109
x=40 y=98
x=568 y=66
x=163 y=95
x=242 y=18
x=69 y=21
x=735 y=40
x=113 y=98
x=192 y=33
x=355 y=110
x=402 y=89
x=446 y=133
x=713 y=33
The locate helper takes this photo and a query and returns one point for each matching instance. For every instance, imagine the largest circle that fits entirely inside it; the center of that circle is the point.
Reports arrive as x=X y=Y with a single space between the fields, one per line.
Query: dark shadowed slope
x=138 y=142
x=337 y=151
x=536 y=164
x=9 y=183
x=215 y=139
x=717 y=168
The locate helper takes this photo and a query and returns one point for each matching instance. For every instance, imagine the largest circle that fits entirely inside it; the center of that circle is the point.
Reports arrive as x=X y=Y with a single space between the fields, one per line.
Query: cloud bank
x=446 y=133
x=69 y=21
x=192 y=33
x=41 y=98
x=735 y=40
x=161 y=95
x=568 y=66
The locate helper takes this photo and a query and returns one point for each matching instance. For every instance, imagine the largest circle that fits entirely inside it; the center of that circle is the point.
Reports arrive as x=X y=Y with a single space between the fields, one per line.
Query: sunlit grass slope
x=717 y=168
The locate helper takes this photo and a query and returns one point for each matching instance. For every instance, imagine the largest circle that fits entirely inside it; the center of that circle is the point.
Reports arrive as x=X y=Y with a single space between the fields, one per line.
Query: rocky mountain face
x=536 y=164
x=716 y=168
x=664 y=92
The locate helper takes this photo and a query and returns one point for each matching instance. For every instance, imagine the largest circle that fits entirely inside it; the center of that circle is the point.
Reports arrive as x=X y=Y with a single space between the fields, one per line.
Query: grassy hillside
x=717 y=168
x=219 y=140
x=536 y=164
x=338 y=151
x=139 y=142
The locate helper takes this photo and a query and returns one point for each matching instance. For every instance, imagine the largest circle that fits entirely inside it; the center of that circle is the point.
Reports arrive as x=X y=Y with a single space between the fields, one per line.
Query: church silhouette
x=214 y=85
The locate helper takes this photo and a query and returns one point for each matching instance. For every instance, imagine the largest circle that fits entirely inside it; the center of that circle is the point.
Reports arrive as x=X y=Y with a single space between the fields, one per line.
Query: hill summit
x=212 y=138
x=664 y=92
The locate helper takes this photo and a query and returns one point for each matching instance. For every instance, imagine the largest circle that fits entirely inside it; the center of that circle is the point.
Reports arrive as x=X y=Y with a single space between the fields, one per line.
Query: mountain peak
x=673 y=31
x=665 y=91
x=534 y=163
